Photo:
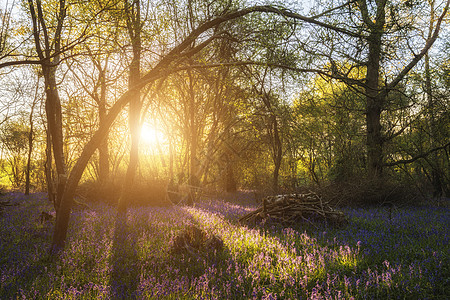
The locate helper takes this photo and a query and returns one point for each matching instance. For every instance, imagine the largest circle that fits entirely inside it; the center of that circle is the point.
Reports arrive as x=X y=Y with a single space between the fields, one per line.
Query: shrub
x=369 y=192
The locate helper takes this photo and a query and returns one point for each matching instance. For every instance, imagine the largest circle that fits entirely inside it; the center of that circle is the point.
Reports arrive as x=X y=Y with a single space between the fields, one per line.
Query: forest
x=224 y=149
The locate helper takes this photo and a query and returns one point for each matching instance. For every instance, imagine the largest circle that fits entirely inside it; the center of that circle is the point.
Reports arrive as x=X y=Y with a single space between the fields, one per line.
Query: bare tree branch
x=422 y=53
x=423 y=155
x=333 y=9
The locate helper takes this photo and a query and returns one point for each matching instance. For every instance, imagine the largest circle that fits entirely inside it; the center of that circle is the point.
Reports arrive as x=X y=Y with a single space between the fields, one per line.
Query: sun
x=151 y=136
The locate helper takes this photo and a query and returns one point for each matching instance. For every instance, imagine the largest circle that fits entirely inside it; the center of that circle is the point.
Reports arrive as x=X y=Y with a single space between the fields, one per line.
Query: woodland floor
x=382 y=253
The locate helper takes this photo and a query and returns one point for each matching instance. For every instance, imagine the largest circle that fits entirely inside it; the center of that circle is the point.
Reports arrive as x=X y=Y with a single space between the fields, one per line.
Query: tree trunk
x=50 y=52
x=62 y=222
x=28 y=169
x=103 y=152
x=277 y=154
x=135 y=129
x=374 y=97
x=48 y=170
x=230 y=181
x=134 y=115
x=171 y=160
x=54 y=121
x=277 y=147
x=193 y=179
x=30 y=150
x=436 y=173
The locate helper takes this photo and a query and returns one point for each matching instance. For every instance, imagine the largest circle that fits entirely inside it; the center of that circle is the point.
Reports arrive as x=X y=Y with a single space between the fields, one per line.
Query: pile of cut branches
x=291 y=209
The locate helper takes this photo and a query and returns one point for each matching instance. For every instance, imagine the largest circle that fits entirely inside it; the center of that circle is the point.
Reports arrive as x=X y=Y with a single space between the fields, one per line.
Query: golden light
x=150 y=136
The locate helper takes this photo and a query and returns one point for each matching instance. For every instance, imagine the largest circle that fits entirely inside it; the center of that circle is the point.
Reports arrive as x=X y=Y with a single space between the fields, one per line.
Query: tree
x=274 y=132
x=97 y=71
x=377 y=23
x=134 y=26
x=374 y=31
x=14 y=137
x=5 y=17
x=48 y=50
x=31 y=137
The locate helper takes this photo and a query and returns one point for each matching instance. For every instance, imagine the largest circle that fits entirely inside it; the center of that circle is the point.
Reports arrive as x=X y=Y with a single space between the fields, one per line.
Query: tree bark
x=50 y=57
x=134 y=116
x=230 y=181
x=48 y=170
x=436 y=173
x=193 y=138
x=374 y=97
x=54 y=121
x=277 y=146
x=30 y=147
x=103 y=150
x=277 y=153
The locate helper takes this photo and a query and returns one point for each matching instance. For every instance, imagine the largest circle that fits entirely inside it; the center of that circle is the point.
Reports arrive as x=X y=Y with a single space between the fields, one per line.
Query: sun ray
x=150 y=136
